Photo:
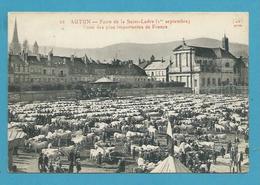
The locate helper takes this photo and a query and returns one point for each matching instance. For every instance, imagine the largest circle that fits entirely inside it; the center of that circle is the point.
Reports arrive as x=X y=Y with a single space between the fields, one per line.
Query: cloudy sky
x=79 y=30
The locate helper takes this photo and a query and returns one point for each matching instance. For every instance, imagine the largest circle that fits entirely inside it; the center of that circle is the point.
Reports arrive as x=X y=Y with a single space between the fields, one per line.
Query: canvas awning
x=170 y=165
x=15 y=137
x=104 y=80
x=15 y=133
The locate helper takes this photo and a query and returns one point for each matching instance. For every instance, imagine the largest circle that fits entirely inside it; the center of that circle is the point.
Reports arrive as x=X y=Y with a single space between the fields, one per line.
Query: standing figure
x=40 y=162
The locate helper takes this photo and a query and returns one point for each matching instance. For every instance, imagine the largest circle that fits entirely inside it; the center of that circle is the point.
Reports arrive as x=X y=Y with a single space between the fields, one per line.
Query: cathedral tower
x=15 y=47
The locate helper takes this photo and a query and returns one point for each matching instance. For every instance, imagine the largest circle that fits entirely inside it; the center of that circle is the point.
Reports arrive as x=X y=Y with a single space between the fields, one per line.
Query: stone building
x=202 y=68
x=158 y=70
x=26 y=68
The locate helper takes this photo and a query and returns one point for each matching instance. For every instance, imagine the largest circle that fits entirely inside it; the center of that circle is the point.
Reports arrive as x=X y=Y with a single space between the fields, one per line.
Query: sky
x=96 y=30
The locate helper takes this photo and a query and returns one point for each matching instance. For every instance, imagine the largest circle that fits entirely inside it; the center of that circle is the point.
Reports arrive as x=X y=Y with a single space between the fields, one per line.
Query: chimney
x=225 y=43
x=85 y=58
x=50 y=55
x=72 y=59
x=38 y=57
x=130 y=63
x=24 y=56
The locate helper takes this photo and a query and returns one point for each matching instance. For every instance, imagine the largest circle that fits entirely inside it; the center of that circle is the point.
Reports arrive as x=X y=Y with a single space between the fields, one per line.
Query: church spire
x=15 y=35
x=15 y=46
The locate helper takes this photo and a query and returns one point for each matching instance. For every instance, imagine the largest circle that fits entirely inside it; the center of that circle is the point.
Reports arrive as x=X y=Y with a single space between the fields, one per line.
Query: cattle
x=219 y=128
x=38 y=146
x=119 y=136
x=51 y=153
x=130 y=134
x=152 y=131
x=206 y=144
x=45 y=129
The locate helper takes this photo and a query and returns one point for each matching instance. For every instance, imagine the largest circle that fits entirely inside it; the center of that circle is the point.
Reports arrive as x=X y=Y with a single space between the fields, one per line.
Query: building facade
x=31 y=68
x=49 y=70
x=158 y=71
x=202 y=68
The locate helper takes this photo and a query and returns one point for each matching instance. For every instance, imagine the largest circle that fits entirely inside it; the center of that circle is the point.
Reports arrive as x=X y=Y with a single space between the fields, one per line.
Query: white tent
x=170 y=165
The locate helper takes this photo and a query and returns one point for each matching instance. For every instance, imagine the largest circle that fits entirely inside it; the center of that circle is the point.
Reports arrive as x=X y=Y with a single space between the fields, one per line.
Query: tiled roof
x=17 y=59
x=144 y=64
x=207 y=52
x=90 y=66
x=221 y=53
x=204 y=52
x=158 y=65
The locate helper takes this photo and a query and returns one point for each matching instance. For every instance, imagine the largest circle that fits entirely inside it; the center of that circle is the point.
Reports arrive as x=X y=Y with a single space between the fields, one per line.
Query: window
x=187 y=59
x=44 y=71
x=235 y=81
x=195 y=83
x=227 y=64
x=176 y=56
x=152 y=74
x=202 y=68
x=228 y=81
x=219 y=81
x=180 y=60
x=203 y=82
x=213 y=81
x=235 y=70
x=61 y=73
x=208 y=81
x=52 y=72
x=187 y=84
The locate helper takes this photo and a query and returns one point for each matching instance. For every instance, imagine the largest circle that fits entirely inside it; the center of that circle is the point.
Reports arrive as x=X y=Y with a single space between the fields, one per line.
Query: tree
x=152 y=58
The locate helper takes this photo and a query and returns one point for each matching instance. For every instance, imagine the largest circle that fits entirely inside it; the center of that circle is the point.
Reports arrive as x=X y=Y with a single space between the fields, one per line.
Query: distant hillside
x=133 y=51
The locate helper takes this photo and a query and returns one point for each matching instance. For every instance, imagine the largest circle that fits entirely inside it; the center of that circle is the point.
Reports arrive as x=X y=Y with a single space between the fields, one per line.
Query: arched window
x=152 y=73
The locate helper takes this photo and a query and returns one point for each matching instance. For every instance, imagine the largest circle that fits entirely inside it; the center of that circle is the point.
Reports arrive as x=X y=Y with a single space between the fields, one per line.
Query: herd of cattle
x=56 y=128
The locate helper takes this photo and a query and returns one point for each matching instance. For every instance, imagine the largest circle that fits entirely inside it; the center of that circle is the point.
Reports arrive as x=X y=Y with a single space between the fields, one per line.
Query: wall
x=242 y=90
x=152 y=91
x=42 y=95
x=71 y=94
